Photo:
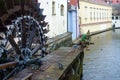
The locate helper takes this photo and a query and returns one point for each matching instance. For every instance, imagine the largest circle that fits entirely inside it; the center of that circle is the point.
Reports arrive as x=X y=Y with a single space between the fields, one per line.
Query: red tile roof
x=74 y=2
x=100 y=2
x=115 y=1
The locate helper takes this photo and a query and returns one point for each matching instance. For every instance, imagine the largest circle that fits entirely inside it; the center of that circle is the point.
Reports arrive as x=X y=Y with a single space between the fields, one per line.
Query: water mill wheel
x=22 y=35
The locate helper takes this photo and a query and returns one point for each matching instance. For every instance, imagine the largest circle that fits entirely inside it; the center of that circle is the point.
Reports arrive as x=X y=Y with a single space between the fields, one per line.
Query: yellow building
x=94 y=15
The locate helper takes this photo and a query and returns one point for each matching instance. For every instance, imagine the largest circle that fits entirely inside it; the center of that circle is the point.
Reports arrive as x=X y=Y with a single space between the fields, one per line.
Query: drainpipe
x=77 y=26
x=67 y=15
x=76 y=22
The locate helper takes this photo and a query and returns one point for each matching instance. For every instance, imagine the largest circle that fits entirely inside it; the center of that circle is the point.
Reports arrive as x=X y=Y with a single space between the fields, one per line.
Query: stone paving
x=102 y=61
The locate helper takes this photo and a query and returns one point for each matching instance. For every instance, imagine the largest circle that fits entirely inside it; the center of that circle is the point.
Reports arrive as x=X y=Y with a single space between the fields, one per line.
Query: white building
x=116 y=20
x=95 y=16
x=56 y=12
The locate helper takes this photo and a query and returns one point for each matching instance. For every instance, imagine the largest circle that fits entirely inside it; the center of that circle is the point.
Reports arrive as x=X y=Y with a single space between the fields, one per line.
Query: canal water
x=102 y=61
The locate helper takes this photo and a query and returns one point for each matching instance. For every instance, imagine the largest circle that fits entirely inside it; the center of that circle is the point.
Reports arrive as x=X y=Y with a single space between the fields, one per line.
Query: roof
x=115 y=1
x=99 y=2
x=74 y=2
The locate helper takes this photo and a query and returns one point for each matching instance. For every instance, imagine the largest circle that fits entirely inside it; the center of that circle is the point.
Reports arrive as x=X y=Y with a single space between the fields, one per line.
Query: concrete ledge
x=93 y=33
x=98 y=32
x=64 y=39
x=59 y=37
x=117 y=27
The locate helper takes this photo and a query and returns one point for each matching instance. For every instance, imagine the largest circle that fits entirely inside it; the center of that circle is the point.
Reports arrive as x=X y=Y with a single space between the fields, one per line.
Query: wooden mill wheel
x=22 y=35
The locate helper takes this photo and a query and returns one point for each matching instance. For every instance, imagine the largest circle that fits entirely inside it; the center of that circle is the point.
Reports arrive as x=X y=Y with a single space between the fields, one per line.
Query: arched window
x=116 y=17
x=53 y=8
x=62 y=10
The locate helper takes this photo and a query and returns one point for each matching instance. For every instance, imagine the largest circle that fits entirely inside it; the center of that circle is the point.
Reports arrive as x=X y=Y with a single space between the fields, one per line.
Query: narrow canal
x=102 y=61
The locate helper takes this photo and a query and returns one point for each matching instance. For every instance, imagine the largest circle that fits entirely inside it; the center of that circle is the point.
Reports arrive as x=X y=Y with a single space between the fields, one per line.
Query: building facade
x=94 y=15
x=112 y=1
x=116 y=20
x=116 y=12
x=73 y=19
x=56 y=16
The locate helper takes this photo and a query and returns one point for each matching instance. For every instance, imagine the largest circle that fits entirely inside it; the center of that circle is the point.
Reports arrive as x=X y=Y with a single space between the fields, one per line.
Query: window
x=91 y=13
x=94 y=13
x=85 y=6
x=97 y=13
x=85 y=13
x=100 y=14
x=53 y=8
x=116 y=17
x=62 y=10
x=112 y=18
